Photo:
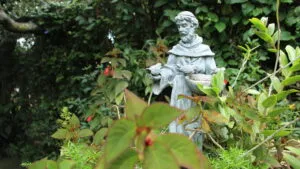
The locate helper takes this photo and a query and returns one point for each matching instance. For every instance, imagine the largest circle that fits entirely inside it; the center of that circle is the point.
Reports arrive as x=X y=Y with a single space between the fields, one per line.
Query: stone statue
x=187 y=60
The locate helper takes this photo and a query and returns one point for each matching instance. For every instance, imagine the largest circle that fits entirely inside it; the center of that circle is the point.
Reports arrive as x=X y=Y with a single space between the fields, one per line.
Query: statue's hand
x=186 y=68
x=155 y=69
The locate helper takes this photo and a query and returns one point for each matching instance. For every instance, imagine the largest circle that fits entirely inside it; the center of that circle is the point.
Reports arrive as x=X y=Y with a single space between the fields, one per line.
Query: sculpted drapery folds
x=189 y=56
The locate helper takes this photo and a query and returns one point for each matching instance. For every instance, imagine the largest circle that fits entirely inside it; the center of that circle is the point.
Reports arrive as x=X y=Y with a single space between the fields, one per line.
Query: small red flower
x=226 y=82
x=148 y=141
x=90 y=118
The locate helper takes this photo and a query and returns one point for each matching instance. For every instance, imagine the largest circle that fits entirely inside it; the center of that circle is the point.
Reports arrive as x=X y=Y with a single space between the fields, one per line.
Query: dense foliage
x=86 y=52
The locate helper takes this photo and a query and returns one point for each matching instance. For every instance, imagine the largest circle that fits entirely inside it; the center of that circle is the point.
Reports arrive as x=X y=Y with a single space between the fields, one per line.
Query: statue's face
x=186 y=31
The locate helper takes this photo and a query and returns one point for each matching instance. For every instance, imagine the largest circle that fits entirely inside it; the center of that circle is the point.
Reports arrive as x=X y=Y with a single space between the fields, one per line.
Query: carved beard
x=187 y=38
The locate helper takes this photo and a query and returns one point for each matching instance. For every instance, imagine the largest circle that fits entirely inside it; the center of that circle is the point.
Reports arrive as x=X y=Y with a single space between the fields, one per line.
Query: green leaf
x=184 y=151
x=207 y=90
x=294 y=68
x=294 y=150
x=291 y=80
x=66 y=164
x=99 y=136
x=127 y=74
x=60 y=134
x=270 y=101
x=279 y=134
x=158 y=115
x=192 y=113
x=264 y=36
x=134 y=106
x=284 y=94
x=105 y=59
x=283 y=60
x=235 y=19
x=259 y=25
x=160 y=3
x=218 y=81
x=126 y=161
x=285 y=36
x=120 y=137
x=74 y=121
x=220 y=26
x=85 y=133
x=271 y=29
x=272 y=50
x=291 y=53
x=253 y=92
x=121 y=86
x=276 y=84
x=293 y=161
x=157 y=156
x=260 y=100
x=235 y=1
x=44 y=164
x=277 y=111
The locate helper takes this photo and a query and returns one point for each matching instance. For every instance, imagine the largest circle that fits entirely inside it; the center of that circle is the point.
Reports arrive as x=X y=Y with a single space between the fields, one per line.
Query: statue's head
x=186 y=23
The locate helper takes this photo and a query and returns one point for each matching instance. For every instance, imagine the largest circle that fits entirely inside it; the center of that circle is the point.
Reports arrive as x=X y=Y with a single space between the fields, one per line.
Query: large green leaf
x=99 y=136
x=279 y=134
x=121 y=85
x=294 y=150
x=264 y=36
x=158 y=156
x=184 y=151
x=276 y=84
x=74 y=122
x=60 y=134
x=291 y=80
x=291 y=53
x=218 y=81
x=283 y=60
x=66 y=164
x=158 y=115
x=207 y=90
x=134 y=106
x=119 y=138
x=270 y=101
x=260 y=100
x=284 y=94
x=293 y=161
x=85 y=133
x=44 y=164
x=258 y=24
x=220 y=26
x=235 y=1
x=126 y=161
x=160 y=3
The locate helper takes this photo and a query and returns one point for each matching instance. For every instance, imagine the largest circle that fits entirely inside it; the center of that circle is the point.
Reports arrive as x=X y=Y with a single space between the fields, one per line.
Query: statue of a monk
x=189 y=56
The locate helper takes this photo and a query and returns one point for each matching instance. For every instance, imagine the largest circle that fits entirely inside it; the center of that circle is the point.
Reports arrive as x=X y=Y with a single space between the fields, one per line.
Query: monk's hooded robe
x=200 y=58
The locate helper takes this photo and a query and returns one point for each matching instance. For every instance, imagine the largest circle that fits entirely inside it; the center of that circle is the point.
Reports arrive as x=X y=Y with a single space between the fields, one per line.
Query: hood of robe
x=194 y=49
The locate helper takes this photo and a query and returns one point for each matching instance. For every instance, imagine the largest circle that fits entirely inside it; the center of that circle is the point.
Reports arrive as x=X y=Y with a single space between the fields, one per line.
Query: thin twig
x=149 y=99
x=240 y=71
x=270 y=137
x=273 y=74
x=192 y=135
x=118 y=111
x=278 y=42
x=214 y=141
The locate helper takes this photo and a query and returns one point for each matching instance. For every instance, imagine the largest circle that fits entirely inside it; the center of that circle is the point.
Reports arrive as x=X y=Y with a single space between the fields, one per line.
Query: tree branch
x=18 y=27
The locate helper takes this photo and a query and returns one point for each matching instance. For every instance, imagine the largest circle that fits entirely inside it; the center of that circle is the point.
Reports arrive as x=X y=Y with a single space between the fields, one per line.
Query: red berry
x=148 y=141
x=90 y=118
x=226 y=82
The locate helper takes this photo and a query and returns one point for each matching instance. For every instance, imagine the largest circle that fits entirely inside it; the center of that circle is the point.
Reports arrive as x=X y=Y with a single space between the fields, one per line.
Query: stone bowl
x=194 y=79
